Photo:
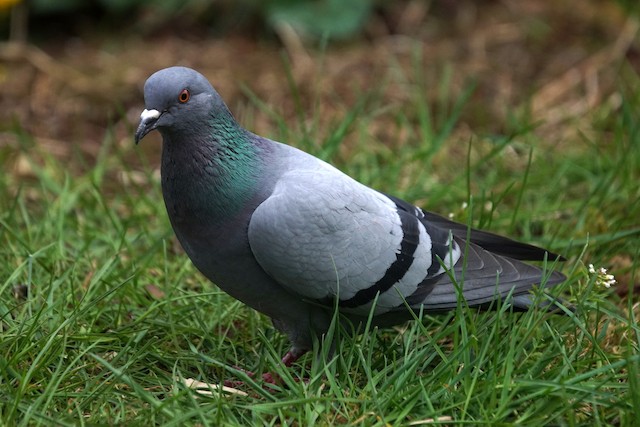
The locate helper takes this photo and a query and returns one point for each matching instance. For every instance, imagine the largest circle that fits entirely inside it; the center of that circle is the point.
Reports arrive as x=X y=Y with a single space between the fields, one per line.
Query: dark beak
x=148 y=122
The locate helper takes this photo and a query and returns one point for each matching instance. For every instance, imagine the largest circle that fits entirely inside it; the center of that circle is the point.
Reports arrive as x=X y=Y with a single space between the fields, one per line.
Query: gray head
x=178 y=98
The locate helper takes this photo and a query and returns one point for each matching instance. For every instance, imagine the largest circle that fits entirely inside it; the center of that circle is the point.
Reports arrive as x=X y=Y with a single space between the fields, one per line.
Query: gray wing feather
x=485 y=277
x=320 y=234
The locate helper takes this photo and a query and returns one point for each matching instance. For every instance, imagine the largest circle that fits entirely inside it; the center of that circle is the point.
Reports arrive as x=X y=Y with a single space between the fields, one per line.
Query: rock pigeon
x=293 y=237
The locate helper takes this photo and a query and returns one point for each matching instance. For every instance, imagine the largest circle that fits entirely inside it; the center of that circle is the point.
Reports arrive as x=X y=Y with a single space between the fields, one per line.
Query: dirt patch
x=557 y=61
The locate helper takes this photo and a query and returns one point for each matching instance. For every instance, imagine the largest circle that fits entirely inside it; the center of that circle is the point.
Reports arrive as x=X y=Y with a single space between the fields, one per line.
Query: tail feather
x=493 y=242
x=485 y=277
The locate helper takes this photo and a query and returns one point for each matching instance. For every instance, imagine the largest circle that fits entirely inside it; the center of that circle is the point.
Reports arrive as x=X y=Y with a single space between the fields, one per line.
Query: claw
x=268 y=377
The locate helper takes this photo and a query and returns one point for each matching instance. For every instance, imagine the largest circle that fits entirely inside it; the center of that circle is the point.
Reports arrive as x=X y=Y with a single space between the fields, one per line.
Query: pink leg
x=269 y=378
x=288 y=360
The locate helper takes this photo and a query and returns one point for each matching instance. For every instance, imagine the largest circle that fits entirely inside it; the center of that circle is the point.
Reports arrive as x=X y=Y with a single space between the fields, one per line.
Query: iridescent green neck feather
x=209 y=173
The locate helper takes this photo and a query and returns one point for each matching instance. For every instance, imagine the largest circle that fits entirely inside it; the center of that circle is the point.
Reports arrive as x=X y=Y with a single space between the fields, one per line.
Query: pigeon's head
x=175 y=98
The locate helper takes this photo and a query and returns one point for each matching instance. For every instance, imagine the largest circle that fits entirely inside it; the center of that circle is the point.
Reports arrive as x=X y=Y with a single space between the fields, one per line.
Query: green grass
x=115 y=316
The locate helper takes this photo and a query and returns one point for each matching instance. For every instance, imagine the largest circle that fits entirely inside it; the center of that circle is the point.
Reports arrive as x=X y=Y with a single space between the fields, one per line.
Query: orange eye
x=184 y=96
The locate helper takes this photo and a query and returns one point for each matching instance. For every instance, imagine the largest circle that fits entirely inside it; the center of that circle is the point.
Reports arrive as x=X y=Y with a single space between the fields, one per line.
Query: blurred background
x=68 y=68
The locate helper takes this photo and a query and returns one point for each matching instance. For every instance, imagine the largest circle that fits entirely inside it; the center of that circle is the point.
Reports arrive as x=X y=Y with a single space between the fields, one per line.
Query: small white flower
x=603 y=278
x=465 y=205
x=451 y=215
